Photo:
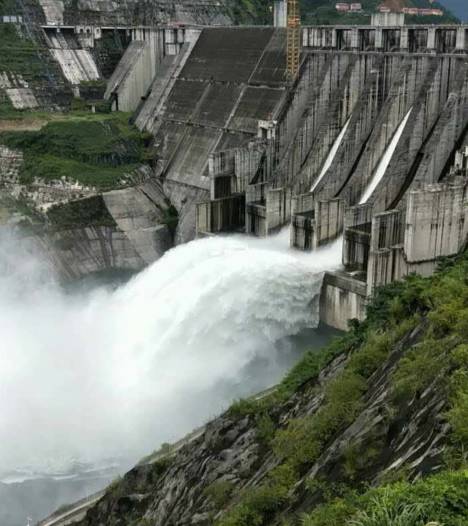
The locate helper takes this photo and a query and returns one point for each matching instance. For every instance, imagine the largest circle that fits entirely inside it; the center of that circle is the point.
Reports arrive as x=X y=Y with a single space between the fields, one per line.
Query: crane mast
x=293 y=39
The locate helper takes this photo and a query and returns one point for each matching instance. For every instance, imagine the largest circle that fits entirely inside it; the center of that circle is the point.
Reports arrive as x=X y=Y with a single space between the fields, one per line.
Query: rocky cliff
x=206 y=12
x=79 y=192
x=125 y=229
x=374 y=424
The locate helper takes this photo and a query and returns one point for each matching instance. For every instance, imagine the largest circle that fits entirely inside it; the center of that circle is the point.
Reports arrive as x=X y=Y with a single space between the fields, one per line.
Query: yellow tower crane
x=293 y=45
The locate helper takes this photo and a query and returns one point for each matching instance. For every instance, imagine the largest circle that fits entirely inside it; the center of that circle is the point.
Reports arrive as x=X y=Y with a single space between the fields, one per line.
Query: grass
x=219 y=493
x=18 y=54
x=93 y=149
x=442 y=498
x=250 y=11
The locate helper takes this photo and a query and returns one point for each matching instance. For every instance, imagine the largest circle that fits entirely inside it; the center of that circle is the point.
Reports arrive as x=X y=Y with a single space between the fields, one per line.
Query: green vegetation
x=7 y=7
x=93 y=149
x=437 y=357
x=7 y=111
x=18 y=54
x=82 y=212
x=442 y=498
x=219 y=493
x=248 y=11
x=324 y=12
x=171 y=217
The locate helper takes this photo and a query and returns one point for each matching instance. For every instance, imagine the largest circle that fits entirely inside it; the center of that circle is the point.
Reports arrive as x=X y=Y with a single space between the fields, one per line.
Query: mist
x=94 y=374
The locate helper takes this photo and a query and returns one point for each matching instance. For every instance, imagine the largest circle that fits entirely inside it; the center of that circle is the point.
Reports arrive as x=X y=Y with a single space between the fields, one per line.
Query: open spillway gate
x=360 y=92
x=241 y=148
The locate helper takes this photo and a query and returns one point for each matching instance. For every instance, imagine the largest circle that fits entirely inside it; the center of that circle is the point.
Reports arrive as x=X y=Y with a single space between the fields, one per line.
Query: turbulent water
x=91 y=375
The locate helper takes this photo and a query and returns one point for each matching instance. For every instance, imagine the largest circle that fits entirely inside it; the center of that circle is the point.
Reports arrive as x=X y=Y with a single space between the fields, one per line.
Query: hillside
x=324 y=12
x=370 y=431
x=458 y=7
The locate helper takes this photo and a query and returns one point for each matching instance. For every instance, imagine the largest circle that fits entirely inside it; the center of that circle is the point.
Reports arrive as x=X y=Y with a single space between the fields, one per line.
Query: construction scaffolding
x=293 y=39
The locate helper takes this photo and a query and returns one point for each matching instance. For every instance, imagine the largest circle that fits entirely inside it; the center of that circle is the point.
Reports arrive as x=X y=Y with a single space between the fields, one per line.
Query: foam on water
x=109 y=371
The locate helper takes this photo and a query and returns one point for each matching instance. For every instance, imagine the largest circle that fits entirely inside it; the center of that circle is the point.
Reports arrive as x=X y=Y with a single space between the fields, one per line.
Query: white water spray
x=95 y=374
x=385 y=161
x=332 y=154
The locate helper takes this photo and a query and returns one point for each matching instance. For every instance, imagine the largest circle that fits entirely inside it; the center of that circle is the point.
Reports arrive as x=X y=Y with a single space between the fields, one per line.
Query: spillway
x=332 y=154
x=119 y=371
x=385 y=161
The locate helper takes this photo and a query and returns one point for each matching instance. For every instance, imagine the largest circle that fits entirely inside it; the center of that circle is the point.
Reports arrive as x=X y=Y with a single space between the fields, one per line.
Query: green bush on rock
x=95 y=150
x=421 y=324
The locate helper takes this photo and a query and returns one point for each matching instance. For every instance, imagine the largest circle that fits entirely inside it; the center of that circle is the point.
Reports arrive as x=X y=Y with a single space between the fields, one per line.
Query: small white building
x=11 y=19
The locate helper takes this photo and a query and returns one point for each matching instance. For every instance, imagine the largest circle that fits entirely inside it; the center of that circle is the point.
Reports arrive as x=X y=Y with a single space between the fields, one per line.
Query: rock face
x=139 y=213
x=86 y=231
x=184 y=199
x=77 y=252
x=176 y=491
x=142 y=12
x=130 y=233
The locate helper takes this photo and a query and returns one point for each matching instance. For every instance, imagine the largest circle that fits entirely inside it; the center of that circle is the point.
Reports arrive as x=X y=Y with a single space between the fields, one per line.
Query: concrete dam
x=367 y=143
x=359 y=165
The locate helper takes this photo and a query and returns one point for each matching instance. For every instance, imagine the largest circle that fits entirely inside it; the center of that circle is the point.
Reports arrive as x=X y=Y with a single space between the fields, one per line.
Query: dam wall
x=342 y=298
x=401 y=38
x=361 y=145
x=136 y=70
x=376 y=111
x=211 y=112
x=132 y=78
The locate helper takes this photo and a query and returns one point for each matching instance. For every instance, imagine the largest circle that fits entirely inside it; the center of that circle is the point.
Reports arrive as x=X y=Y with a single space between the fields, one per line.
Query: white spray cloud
x=102 y=373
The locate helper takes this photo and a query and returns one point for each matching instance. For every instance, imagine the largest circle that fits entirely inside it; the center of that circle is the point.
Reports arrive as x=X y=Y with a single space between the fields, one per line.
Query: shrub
x=358 y=458
x=297 y=443
x=334 y=513
x=259 y=504
x=219 y=493
x=303 y=439
x=313 y=362
x=19 y=55
x=95 y=150
x=442 y=498
x=372 y=353
x=458 y=417
x=419 y=368
x=389 y=514
x=265 y=429
x=243 y=407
